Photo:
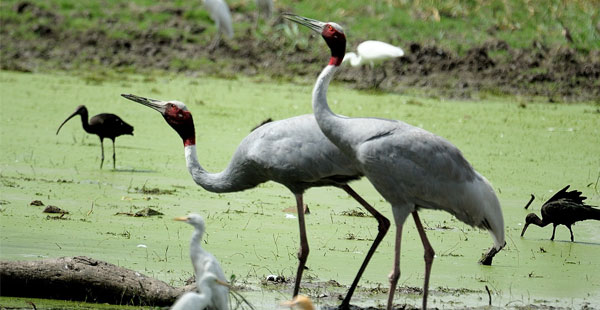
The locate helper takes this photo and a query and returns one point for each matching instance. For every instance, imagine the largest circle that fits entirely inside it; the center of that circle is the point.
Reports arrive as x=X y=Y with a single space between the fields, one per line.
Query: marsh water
x=523 y=147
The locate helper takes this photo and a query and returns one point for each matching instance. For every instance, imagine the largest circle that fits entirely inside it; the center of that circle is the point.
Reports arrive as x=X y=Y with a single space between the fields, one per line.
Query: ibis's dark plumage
x=104 y=125
x=564 y=208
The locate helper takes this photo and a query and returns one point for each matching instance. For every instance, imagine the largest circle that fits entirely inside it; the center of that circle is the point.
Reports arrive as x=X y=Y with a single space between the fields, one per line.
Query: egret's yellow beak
x=181 y=219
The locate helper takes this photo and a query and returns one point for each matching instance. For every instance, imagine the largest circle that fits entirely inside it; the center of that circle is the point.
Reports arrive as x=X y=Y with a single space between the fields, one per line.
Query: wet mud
x=557 y=73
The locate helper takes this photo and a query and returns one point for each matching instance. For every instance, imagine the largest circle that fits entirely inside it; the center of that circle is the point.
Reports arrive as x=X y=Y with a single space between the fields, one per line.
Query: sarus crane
x=292 y=152
x=410 y=167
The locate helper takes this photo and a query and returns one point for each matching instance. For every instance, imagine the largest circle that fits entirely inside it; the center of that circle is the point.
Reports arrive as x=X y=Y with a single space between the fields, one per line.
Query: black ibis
x=564 y=208
x=104 y=125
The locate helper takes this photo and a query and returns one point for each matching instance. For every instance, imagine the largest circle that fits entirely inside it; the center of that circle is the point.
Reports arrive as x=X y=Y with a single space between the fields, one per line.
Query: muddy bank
x=44 y=43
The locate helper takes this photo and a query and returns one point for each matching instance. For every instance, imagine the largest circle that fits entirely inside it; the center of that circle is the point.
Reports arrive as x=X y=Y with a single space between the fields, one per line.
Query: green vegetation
x=455 y=24
x=520 y=145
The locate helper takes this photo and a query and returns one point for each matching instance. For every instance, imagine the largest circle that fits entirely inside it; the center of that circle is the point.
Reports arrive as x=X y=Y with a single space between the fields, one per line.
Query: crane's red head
x=332 y=33
x=175 y=113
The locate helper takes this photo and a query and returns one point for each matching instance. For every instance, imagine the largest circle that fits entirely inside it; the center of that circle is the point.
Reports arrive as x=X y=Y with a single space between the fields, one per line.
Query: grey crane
x=292 y=152
x=410 y=167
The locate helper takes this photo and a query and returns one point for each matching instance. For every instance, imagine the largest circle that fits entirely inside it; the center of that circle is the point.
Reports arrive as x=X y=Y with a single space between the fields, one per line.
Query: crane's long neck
x=225 y=181
x=332 y=125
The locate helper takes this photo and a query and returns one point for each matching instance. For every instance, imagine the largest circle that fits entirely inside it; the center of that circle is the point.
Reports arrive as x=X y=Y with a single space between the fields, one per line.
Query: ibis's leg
x=429 y=255
x=395 y=275
x=303 y=251
x=572 y=239
x=384 y=225
x=553 y=232
x=102 y=148
x=114 y=156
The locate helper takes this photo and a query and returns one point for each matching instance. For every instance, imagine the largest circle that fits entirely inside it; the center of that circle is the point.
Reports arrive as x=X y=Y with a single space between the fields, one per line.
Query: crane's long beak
x=313 y=24
x=68 y=118
x=157 y=105
x=181 y=219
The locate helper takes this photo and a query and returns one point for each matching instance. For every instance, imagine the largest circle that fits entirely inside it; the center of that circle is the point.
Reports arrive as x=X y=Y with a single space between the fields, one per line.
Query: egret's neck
x=355 y=60
x=196 y=251
x=196 y=240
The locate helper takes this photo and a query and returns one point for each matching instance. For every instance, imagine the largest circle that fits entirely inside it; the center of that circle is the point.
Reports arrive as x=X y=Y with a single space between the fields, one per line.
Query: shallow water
x=520 y=150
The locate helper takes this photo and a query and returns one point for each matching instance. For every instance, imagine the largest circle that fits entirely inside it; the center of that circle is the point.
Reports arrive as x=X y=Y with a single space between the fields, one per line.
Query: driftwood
x=85 y=279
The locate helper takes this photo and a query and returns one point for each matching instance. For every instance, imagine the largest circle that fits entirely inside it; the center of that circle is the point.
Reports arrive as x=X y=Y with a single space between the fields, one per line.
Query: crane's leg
x=553 y=232
x=395 y=275
x=114 y=156
x=303 y=251
x=102 y=148
x=572 y=239
x=429 y=255
x=384 y=225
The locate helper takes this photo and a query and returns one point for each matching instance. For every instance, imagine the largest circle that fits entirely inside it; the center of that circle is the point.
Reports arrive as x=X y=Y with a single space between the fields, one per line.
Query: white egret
x=206 y=264
x=372 y=52
x=220 y=14
x=208 y=286
x=410 y=167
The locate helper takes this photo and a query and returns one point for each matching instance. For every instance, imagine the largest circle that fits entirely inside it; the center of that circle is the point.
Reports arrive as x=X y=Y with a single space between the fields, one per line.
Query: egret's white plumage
x=205 y=265
x=293 y=152
x=371 y=52
x=410 y=167
x=207 y=286
x=220 y=14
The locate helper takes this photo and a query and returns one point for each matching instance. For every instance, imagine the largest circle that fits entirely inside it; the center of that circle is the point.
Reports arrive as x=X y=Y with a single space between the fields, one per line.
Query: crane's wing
x=294 y=151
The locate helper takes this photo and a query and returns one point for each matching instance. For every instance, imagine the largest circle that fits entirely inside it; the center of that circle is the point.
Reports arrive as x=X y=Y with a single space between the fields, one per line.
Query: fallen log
x=84 y=279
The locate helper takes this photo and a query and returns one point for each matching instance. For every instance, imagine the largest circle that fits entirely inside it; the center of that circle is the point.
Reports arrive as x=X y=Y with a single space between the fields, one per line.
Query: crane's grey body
x=410 y=167
x=293 y=152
